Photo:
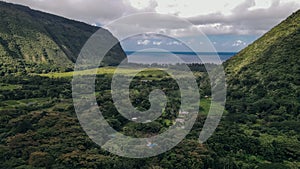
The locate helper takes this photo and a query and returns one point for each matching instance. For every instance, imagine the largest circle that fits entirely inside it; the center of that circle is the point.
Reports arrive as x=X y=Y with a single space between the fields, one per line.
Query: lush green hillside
x=30 y=38
x=263 y=102
x=265 y=77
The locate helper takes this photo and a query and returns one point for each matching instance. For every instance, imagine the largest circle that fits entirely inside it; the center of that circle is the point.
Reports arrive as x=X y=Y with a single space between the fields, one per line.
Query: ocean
x=177 y=57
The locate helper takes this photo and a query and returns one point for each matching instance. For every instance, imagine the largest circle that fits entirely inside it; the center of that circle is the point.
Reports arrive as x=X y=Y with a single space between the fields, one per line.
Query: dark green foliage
x=268 y=85
x=262 y=127
x=39 y=128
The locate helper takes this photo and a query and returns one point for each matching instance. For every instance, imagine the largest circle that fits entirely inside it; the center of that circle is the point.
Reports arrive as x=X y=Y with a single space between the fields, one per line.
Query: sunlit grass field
x=107 y=70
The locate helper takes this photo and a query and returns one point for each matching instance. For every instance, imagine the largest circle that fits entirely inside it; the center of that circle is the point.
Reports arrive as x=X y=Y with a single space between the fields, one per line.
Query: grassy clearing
x=9 y=87
x=106 y=70
x=151 y=73
x=205 y=105
x=10 y=104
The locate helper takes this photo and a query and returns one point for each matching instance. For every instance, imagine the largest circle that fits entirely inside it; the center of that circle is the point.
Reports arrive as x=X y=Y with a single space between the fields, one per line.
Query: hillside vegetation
x=268 y=82
x=41 y=42
x=263 y=101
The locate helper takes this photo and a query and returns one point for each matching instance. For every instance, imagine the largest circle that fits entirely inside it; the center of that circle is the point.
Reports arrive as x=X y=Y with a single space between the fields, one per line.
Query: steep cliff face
x=33 y=37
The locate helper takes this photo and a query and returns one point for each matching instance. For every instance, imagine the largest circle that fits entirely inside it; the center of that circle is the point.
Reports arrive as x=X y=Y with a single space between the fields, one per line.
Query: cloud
x=212 y=17
x=89 y=11
x=239 y=43
x=143 y=42
x=246 y=18
x=157 y=43
x=142 y=4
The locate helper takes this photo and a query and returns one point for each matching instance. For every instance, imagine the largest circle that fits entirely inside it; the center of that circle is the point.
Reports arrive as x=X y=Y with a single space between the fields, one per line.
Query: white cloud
x=246 y=18
x=142 y=4
x=184 y=8
x=239 y=43
x=143 y=42
x=157 y=43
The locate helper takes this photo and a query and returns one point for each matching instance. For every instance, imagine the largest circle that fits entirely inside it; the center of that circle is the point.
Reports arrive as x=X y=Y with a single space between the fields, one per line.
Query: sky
x=229 y=24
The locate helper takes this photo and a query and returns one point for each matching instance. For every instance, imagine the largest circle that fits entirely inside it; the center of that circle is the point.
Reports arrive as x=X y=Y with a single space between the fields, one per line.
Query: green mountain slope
x=29 y=37
x=259 y=48
x=263 y=101
x=268 y=71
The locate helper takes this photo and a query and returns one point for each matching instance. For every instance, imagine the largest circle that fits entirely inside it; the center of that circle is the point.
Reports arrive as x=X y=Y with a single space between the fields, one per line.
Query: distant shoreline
x=150 y=57
x=185 y=53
